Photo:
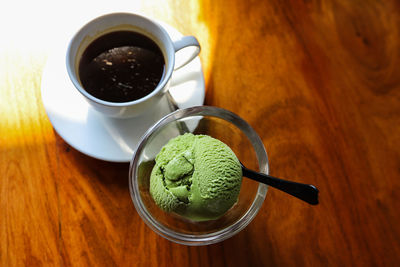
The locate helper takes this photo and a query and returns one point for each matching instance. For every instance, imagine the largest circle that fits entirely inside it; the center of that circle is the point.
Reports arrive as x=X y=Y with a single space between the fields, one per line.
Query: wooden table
x=319 y=82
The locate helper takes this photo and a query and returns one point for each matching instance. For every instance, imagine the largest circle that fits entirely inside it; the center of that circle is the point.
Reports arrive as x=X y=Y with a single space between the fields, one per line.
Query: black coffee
x=121 y=66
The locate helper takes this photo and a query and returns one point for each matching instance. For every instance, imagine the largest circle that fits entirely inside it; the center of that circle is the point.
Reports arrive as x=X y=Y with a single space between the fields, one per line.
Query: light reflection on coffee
x=121 y=66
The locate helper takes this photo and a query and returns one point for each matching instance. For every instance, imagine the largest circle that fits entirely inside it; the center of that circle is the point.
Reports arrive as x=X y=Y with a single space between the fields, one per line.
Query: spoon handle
x=305 y=192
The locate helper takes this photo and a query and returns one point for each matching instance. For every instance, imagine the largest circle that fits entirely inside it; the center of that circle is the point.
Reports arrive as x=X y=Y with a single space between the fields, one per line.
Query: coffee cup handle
x=184 y=42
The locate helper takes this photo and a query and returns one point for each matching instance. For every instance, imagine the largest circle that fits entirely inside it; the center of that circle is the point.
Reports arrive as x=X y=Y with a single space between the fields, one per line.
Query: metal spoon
x=305 y=192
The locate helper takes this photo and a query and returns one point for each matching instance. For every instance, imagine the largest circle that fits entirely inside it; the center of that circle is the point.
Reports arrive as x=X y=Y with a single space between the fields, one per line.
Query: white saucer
x=102 y=137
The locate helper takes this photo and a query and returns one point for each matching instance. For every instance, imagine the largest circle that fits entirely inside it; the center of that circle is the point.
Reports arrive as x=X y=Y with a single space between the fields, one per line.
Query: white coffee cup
x=131 y=22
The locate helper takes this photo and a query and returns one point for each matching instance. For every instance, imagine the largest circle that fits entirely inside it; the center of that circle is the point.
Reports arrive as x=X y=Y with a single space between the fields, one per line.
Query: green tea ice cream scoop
x=196 y=176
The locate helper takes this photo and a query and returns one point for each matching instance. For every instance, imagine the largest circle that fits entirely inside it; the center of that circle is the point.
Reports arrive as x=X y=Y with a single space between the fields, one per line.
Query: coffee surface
x=121 y=66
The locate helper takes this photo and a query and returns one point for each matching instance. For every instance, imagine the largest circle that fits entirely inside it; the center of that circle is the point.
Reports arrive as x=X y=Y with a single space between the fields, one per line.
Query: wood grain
x=319 y=82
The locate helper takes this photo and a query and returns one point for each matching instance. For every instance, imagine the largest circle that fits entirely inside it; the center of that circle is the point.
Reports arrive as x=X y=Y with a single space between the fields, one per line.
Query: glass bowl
x=220 y=124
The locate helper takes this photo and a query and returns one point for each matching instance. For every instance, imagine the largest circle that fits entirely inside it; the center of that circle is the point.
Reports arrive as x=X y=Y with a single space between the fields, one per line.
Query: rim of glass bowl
x=210 y=238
